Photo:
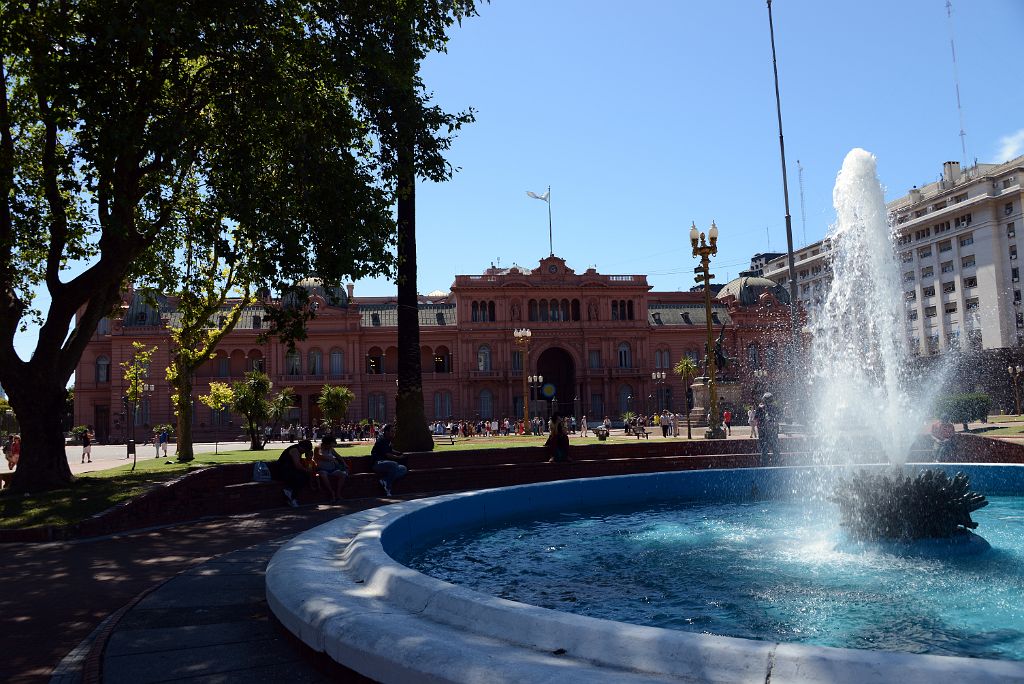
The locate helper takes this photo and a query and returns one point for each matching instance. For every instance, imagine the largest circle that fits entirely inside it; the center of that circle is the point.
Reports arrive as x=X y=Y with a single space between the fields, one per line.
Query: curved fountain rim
x=392 y=623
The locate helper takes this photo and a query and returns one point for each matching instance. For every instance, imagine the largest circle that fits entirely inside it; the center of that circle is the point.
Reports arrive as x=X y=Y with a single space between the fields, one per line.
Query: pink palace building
x=598 y=341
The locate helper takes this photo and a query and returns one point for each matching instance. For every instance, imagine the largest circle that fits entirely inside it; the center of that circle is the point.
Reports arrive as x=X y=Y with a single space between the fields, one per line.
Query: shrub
x=963 y=408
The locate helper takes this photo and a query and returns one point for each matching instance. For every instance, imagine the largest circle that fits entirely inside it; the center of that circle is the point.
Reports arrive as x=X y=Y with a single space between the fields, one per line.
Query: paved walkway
x=105 y=456
x=54 y=595
x=212 y=623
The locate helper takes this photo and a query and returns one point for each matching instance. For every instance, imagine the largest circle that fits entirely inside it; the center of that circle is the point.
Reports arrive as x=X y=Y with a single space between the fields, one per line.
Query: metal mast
x=956 y=82
x=803 y=207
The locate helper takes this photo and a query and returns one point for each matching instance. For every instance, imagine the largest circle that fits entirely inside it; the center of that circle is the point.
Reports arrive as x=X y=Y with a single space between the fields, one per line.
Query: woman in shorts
x=331 y=467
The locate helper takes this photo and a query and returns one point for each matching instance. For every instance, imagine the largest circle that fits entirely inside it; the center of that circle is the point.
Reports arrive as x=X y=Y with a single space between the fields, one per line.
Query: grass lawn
x=1007 y=428
x=1006 y=419
x=97 y=491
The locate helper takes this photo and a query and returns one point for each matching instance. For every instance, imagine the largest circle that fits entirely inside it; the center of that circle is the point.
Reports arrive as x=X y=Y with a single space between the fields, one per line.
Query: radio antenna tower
x=956 y=82
x=803 y=207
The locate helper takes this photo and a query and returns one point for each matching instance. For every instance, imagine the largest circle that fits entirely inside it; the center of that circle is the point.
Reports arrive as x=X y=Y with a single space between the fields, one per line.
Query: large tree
x=114 y=112
x=400 y=33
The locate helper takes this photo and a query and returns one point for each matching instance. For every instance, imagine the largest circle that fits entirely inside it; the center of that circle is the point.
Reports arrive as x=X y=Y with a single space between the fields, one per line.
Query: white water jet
x=859 y=350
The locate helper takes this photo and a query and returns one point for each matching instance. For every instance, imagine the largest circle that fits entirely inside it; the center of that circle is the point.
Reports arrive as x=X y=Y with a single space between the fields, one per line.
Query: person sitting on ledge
x=767 y=418
x=331 y=466
x=557 y=443
x=291 y=471
x=383 y=460
x=942 y=433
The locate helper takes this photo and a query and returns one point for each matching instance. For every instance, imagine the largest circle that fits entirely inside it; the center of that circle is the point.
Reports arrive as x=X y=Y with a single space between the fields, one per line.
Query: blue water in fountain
x=781 y=570
x=773 y=570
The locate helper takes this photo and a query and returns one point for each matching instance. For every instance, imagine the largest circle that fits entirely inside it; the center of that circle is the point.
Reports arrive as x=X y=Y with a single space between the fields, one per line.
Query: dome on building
x=333 y=296
x=747 y=290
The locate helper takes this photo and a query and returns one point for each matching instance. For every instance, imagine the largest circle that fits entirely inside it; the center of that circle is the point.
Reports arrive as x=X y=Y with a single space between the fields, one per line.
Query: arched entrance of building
x=559 y=388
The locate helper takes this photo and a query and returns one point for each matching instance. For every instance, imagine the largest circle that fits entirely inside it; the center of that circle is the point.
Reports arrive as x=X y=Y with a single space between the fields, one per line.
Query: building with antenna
x=957 y=243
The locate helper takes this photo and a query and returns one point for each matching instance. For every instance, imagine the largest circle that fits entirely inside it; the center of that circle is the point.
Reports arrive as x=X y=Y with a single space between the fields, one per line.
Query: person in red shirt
x=727 y=419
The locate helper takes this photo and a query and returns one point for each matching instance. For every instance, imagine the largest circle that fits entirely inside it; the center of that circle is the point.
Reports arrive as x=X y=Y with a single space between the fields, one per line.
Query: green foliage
x=250 y=400
x=219 y=398
x=281 y=404
x=964 y=408
x=79 y=430
x=686 y=369
x=132 y=131
x=334 y=402
x=628 y=416
x=136 y=371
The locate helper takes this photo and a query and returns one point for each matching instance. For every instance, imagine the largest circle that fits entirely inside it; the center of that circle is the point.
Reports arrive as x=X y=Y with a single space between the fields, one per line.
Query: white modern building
x=958 y=251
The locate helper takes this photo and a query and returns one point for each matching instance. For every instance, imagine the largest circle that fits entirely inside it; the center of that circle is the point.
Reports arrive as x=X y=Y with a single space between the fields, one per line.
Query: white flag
x=543 y=198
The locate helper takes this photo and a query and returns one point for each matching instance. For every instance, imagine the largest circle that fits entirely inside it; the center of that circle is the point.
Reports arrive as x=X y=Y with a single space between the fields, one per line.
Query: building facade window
x=442 y=405
x=928 y=291
x=315 y=362
x=966 y=240
x=377 y=407
x=374 y=361
x=971 y=281
x=967 y=261
x=486 y=404
x=625 y=399
x=483 y=358
x=102 y=369
x=293 y=363
x=625 y=356
x=337 y=362
x=594 y=358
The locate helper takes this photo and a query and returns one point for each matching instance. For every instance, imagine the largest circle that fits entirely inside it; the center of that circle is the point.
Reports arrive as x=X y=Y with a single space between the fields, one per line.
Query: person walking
x=583 y=426
x=752 y=422
x=727 y=419
x=164 y=440
x=87 y=438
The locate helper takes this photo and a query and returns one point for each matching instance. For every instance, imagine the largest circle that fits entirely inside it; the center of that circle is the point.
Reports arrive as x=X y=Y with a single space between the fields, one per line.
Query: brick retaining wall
x=227 y=489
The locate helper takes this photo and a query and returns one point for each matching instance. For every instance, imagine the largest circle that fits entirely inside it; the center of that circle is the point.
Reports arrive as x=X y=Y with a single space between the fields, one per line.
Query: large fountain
x=746 y=575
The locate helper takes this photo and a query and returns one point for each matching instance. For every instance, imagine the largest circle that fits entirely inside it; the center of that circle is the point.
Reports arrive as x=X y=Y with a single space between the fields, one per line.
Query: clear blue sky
x=645 y=116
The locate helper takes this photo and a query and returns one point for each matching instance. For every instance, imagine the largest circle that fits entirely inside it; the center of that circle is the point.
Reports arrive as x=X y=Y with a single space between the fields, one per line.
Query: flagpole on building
x=551 y=244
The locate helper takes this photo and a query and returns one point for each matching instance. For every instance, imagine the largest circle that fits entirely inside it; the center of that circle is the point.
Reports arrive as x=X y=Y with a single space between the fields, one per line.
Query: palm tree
x=687 y=370
x=280 y=405
x=334 y=401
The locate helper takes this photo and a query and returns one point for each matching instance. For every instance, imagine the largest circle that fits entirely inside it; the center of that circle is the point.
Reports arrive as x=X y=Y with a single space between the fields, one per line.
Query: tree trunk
x=43 y=464
x=412 y=433
x=255 y=442
x=184 y=406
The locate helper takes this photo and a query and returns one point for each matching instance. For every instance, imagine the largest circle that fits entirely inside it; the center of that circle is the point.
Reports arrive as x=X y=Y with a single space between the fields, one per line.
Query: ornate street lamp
x=705 y=249
x=659 y=380
x=535 y=384
x=523 y=336
x=1015 y=375
x=760 y=377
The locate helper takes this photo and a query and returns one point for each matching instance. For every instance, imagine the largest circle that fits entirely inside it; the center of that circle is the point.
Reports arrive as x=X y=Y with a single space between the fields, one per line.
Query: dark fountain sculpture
x=893 y=506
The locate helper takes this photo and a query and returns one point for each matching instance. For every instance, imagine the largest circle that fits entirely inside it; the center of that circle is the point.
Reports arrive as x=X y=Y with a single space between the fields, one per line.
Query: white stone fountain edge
x=336 y=588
